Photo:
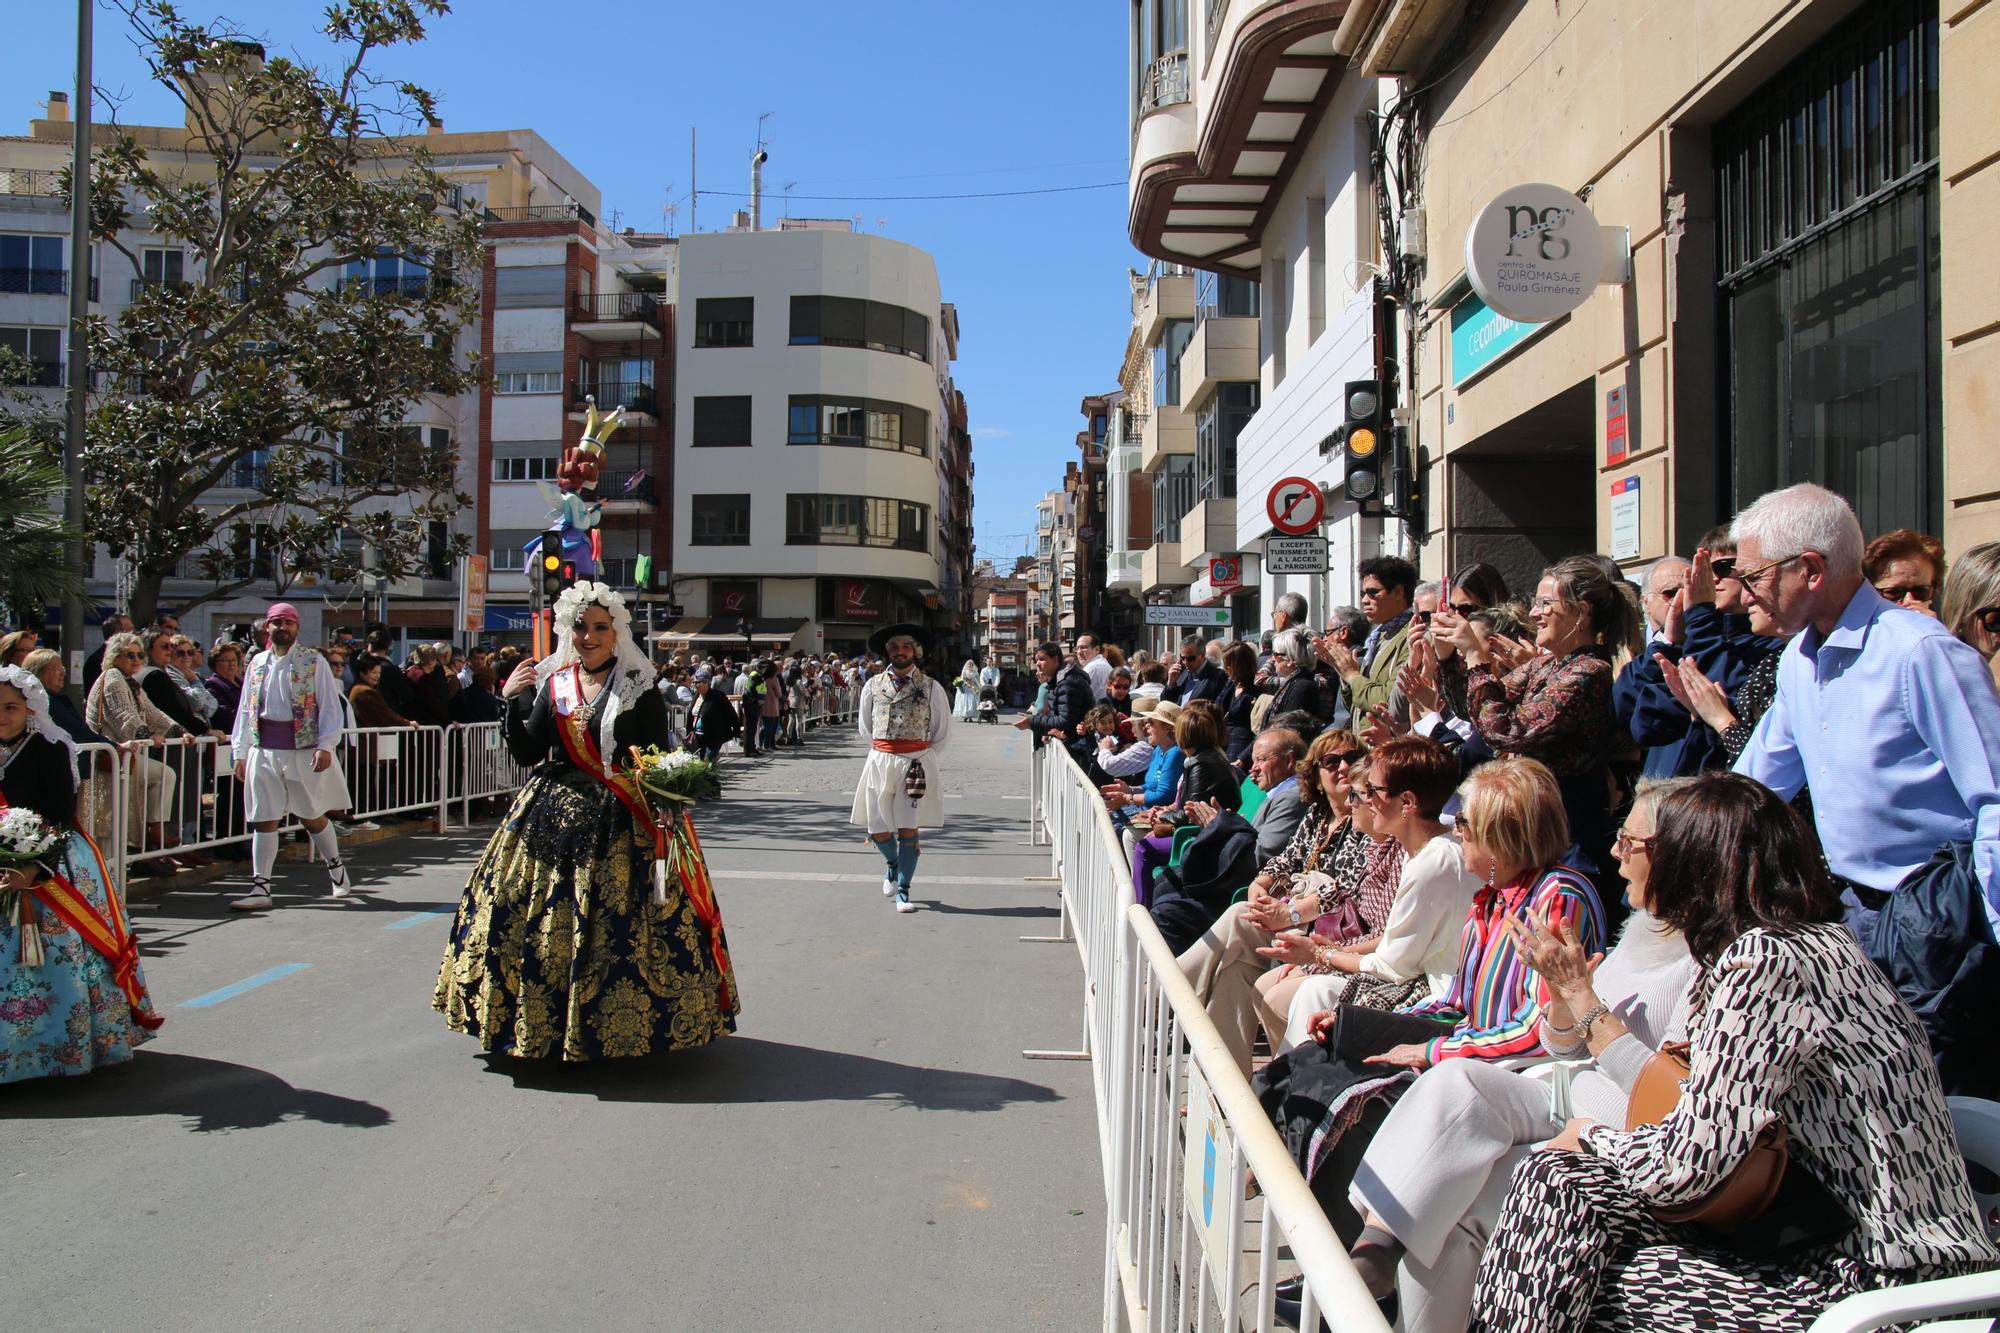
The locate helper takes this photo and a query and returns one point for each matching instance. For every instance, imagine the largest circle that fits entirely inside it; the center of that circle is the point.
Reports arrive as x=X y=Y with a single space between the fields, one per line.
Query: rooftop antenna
x=788 y=197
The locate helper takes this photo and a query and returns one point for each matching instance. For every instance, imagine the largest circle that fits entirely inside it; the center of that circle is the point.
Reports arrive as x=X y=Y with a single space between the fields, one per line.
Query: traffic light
x=557 y=573
x=1362 y=439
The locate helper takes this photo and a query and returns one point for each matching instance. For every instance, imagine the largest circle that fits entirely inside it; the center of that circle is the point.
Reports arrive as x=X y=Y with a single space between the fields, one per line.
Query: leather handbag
x=1750 y=1189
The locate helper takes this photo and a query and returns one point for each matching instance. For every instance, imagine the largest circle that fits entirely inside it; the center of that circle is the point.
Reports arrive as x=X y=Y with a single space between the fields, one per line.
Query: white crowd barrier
x=1182 y=1134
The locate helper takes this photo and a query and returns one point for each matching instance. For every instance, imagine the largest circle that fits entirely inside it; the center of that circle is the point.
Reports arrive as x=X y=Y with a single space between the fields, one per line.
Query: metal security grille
x=1827 y=243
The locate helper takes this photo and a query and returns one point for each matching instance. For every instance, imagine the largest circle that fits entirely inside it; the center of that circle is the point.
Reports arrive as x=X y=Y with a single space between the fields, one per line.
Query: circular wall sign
x=1295 y=505
x=1534 y=254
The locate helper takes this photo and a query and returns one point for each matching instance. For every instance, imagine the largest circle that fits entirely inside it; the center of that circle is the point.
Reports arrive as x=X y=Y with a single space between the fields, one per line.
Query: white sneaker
x=362 y=826
x=903 y=903
x=342 y=886
x=888 y=886
x=256 y=900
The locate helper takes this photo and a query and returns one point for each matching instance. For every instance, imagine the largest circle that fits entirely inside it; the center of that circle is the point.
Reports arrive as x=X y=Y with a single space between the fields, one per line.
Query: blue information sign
x=1479 y=338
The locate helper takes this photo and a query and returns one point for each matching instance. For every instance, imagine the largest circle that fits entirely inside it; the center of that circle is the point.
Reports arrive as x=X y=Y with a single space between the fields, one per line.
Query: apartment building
x=822 y=463
x=1250 y=185
x=1003 y=621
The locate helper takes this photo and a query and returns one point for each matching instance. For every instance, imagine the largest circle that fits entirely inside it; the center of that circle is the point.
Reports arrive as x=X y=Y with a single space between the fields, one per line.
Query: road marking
x=428 y=914
x=235 y=989
x=831 y=877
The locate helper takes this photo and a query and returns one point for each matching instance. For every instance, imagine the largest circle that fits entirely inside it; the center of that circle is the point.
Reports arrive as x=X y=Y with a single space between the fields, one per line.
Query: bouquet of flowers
x=25 y=838
x=670 y=782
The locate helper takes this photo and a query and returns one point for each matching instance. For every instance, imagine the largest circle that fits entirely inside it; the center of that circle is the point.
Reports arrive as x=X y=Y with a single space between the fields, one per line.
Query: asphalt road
x=315 y=1150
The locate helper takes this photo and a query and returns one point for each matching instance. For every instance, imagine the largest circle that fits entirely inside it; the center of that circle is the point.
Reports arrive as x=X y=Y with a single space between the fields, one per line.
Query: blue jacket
x=1163 y=775
x=1676 y=744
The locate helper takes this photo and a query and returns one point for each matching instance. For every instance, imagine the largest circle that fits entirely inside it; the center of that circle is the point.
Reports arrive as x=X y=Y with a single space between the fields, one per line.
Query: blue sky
x=920 y=97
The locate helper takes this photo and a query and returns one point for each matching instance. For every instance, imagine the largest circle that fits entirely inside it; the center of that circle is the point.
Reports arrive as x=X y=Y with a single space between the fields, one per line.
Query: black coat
x=227 y=697
x=167 y=697
x=715 y=720
x=1209 y=682
x=1189 y=898
x=39 y=779
x=1933 y=942
x=1299 y=692
x=1069 y=700
x=1208 y=776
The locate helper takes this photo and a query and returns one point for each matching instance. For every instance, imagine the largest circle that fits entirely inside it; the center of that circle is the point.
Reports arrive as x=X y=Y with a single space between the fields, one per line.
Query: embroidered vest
x=902 y=714
x=301 y=679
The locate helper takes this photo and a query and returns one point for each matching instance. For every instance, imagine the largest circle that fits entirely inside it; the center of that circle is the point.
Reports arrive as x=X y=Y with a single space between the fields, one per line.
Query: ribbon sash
x=107 y=934
x=579 y=740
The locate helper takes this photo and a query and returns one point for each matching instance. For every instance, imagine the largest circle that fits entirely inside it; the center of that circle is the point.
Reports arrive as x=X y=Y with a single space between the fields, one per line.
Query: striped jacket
x=1496 y=999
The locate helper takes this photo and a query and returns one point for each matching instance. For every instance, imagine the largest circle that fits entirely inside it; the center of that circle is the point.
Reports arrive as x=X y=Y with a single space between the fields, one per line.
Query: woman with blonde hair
x=120 y=712
x=1971 y=605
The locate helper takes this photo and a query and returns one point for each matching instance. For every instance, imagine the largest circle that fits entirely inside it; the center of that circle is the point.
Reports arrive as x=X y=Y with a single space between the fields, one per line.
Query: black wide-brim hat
x=878 y=642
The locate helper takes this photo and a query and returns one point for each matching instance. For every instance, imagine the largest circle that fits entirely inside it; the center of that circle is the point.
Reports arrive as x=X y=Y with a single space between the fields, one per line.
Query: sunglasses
x=1988 y=618
x=1726 y=568
x=1346 y=756
x=1466 y=608
x=1422 y=617
x=1370 y=594
x=1669 y=593
x=1625 y=843
x=1897 y=592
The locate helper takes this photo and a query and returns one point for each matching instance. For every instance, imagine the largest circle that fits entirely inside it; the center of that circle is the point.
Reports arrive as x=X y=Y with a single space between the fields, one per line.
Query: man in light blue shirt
x=1889 y=720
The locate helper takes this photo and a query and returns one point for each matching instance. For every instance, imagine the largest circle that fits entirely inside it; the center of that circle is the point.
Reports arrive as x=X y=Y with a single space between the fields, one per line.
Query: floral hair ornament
x=39 y=721
x=569 y=606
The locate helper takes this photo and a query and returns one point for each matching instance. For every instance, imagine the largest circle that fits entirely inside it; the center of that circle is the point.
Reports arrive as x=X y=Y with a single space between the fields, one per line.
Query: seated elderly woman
x=1321 y=878
x=1790 y=1025
x=1328 y=1095
x=1402 y=792
x=120 y=712
x=1430 y=1185
x=1298 y=690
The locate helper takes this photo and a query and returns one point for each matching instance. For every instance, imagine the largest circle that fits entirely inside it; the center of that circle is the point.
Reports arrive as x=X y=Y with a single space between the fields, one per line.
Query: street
x=305 y=1144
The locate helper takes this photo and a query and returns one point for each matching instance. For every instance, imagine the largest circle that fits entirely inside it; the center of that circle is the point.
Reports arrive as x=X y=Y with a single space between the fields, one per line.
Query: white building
x=815 y=447
x=1250 y=168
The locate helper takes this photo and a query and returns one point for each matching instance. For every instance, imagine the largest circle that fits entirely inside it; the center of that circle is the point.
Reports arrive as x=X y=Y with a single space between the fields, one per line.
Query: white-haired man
x=287 y=727
x=904 y=716
x=1888 y=719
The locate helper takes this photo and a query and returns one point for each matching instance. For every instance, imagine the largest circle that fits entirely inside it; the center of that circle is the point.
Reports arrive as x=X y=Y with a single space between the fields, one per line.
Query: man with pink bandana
x=287 y=726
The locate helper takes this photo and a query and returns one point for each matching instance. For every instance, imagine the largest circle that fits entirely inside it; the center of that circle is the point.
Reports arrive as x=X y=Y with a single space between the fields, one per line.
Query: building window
x=528 y=287
x=525 y=469
x=721 y=423
x=1827 y=238
x=856 y=520
x=163 y=267
x=528 y=381
x=41 y=349
x=387 y=274
x=32 y=264
x=1216 y=428
x=846 y=321
x=508 y=560
x=724 y=321
x=858 y=422
x=720 y=520
x=1220 y=297
x=1173 y=496
x=1167 y=362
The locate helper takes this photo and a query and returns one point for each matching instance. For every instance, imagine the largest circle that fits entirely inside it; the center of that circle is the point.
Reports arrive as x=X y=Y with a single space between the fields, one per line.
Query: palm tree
x=32 y=572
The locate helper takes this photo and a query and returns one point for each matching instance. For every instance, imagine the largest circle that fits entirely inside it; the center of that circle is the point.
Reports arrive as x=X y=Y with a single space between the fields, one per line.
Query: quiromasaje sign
x=1535 y=253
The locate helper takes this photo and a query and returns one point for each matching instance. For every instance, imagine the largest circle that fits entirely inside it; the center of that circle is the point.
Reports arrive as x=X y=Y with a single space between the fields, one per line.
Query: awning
x=729 y=629
x=683 y=630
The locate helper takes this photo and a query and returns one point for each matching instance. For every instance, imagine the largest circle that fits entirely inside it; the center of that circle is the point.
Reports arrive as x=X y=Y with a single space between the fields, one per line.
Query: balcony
x=30 y=184
x=1169 y=295
x=35 y=281
x=1126 y=570
x=627 y=492
x=1160 y=568
x=391 y=284
x=1167 y=431
x=1223 y=348
x=641 y=407
x=1205 y=175
x=543 y=213
x=619 y=317
x=1208 y=529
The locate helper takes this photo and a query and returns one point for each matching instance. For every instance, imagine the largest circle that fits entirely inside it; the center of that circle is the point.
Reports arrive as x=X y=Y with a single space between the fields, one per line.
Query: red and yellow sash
x=579 y=738
x=106 y=933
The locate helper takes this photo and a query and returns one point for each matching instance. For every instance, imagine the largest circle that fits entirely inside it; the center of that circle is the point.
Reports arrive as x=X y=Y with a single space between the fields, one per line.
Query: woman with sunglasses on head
x=1970 y=607
x=119 y=710
x=1790 y=1024
x=1321 y=880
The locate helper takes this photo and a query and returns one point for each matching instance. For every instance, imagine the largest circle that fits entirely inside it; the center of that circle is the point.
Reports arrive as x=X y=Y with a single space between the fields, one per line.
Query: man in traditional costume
x=287 y=727
x=904 y=716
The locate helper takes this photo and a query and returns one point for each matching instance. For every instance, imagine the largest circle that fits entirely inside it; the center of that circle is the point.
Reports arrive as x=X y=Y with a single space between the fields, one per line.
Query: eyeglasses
x=1626 y=843
x=1547 y=603
x=1364 y=791
x=1466 y=608
x=1369 y=594
x=1668 y=593
x=1988 y=618
x=1897 y=592
x=1725 y=568
x=1121 y=685
x=1346 y=756
x=132 y=655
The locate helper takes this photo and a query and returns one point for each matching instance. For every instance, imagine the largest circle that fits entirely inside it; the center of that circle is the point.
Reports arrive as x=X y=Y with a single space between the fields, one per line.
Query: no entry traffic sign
x=1295 y=506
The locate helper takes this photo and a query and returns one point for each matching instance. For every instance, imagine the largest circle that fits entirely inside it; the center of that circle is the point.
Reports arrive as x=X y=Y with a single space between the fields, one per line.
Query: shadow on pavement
x=739 y=1070
x=212 y=1094
x=952 y=909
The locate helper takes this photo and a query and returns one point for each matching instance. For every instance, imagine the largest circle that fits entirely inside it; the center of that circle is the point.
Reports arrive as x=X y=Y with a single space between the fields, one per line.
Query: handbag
x=915 y=784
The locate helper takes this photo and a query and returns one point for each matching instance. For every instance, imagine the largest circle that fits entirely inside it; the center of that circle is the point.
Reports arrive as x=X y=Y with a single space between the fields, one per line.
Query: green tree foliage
x=328 y=271
x=33 y=574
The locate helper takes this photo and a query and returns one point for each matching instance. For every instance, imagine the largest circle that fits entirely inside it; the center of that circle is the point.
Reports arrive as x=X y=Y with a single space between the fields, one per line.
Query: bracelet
x=1323 y=956
x=1589 y=1020
x=1556 y=1029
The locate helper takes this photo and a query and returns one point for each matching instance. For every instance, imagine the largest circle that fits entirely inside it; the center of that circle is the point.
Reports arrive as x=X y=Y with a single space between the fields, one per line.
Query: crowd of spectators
x=1747 y=809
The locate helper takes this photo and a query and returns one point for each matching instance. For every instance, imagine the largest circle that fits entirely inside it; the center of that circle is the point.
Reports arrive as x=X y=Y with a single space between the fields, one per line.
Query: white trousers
x=1223 y=966
x=151 y=797
x=282 y=782
x=1437 y=1172
x=880 y=805
x=1323 y=991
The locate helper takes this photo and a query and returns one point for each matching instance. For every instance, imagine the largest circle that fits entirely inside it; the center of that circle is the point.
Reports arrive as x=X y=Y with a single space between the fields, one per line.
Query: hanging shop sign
x=1535 y=253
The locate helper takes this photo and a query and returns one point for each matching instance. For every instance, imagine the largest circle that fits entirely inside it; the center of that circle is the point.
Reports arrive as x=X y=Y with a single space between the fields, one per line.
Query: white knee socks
x=263 y=853
x=328 y=846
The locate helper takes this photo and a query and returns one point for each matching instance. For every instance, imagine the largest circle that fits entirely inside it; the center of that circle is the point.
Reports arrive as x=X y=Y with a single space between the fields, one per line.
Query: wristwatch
x=1296 y=918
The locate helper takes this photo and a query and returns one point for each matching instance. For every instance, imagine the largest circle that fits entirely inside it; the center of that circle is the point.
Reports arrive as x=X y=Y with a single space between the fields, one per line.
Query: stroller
x=989 y=705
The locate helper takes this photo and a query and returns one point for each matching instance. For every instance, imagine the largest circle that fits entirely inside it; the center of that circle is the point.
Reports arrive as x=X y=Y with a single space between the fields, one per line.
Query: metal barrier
x=485 y=766
x=1182 y=1134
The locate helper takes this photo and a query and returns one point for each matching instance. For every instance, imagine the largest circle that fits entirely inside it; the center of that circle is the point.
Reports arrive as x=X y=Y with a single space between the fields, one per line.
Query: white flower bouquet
x=676 y=775
x=25 y=839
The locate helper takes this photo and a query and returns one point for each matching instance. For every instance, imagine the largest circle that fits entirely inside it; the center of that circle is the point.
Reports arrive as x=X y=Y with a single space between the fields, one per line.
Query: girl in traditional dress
x=965 y=700
x=562 y=946
x=71 y=993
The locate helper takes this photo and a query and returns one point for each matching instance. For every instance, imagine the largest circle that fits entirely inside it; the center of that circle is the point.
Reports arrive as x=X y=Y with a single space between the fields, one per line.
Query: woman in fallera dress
x=71 y=996
x=561 y=946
